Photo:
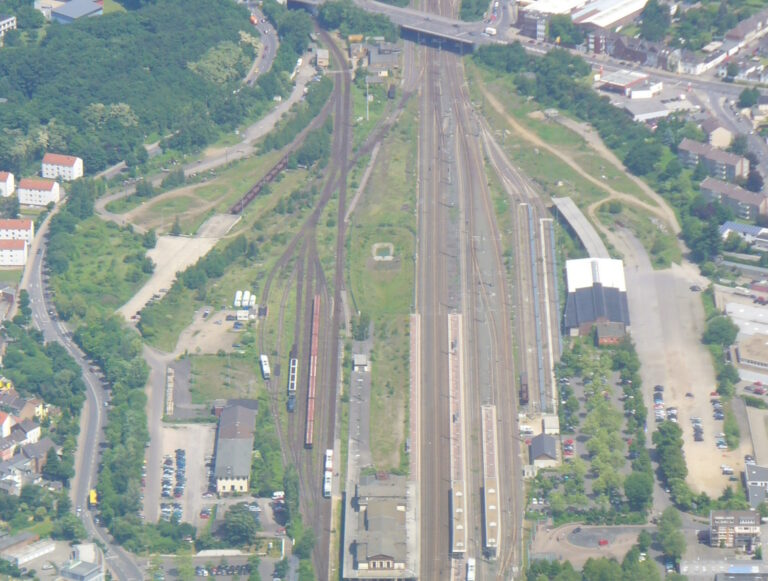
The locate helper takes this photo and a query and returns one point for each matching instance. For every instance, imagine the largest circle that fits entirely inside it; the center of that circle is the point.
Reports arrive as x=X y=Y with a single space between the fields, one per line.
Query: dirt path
x=663 y=212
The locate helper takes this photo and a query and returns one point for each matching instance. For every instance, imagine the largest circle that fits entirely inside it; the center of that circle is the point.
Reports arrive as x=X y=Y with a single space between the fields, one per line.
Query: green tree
x=748 y=97
x=644 y=541
x=670 y=536
x=149 y=239
x=69 y=528
x=754 y=181
x=655 y=21
x=185 y=567
x=562 y=30
x=239 y=526
x=638 y=488
x=601 y=570
x=176 y=228
x=721 y=330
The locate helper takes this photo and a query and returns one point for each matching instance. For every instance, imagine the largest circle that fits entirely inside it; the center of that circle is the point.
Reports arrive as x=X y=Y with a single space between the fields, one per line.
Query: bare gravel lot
x=667 y=320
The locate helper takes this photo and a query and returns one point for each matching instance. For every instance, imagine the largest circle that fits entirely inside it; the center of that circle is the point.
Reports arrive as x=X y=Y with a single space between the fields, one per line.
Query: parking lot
x=196 y=441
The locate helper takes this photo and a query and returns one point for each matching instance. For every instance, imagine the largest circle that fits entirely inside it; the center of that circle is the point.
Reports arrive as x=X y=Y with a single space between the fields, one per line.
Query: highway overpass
x=420 y=26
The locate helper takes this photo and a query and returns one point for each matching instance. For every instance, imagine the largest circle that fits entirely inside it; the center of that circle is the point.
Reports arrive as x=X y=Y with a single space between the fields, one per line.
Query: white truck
x=238 y=299
x=246 y=299
x=490 y=31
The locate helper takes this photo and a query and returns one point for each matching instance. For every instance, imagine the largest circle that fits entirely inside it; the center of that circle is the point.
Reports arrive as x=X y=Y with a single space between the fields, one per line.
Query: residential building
x=597 y=293
x=719 y=164
x=6 y=423
x=234 y=449
x=17 y=229
x=13 y=252
x=755 y=236
x=542 y=452
x=75 y=9
x=746 y=205
x=17 y=472
x=38 y=453
x=64 y=167
x=717 y=135
x=734 y=528
x=756 y=483
x=322 y=58
x=7 y=184
x=29 y=432
x=34 y=192
x=7 y=23
x=376 y=529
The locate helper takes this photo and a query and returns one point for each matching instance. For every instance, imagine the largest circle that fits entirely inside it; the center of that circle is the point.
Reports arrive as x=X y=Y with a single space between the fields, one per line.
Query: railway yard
x=483 y=333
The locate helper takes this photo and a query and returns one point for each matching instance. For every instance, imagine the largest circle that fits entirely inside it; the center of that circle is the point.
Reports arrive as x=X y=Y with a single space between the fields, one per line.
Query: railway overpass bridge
x=420 y=26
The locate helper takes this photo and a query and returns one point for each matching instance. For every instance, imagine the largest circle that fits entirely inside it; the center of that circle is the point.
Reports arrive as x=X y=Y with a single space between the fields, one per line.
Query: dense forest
x=99 y=88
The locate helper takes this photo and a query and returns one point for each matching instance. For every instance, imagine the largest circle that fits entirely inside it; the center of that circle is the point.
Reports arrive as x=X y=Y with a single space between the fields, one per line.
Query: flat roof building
x=74 y=9
x=377 y=544
x=608 y=13
x=752 y=351
x=733 y=528
x=756 y=482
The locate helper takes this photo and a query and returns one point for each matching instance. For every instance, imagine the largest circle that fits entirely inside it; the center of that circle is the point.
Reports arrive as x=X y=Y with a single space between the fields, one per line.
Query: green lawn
x=104 y=270
x=112 y=6
x=10 y=276
x=223 y=377
x=384 y=290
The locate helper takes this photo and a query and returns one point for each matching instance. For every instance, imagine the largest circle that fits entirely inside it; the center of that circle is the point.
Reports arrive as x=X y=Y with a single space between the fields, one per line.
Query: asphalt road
x=269 y=46
x=93 y=417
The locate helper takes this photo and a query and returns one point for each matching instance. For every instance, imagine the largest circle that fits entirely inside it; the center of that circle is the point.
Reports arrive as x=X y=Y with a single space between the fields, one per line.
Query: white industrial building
x=13 y=252
x=34 y=192
x=17 y=229
x=7 y=184
x=65 y=167
x=607 y=14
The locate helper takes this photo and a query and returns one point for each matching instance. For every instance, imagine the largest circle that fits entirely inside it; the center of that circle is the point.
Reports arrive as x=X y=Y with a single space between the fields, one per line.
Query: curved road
x=121 y=564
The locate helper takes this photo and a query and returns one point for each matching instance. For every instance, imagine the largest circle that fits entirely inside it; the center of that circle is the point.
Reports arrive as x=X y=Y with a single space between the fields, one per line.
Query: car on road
x=695 y=288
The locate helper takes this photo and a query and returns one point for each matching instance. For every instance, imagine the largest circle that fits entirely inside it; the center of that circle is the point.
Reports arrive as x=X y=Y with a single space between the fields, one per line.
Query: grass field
x=104 y=269
x=10 y=276
x=376 y=108
x=223 y=377
x=215 y=191
x=384 y=290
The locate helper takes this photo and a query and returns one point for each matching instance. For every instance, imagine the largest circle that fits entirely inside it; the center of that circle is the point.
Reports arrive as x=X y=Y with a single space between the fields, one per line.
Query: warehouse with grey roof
x=597 y=293
x=234 y=449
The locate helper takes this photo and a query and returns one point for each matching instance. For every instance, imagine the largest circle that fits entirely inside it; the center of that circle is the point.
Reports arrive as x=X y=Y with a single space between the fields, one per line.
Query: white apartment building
x=34 y=192
x=17 y=229
x=13 y=252
x=7 y=23
x=66 y=167
x=7 y=184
